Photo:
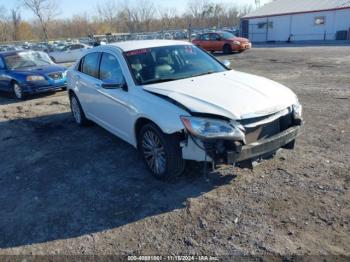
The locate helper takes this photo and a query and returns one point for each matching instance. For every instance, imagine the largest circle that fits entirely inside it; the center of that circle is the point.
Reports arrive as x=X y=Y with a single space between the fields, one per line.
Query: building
x=298 y=20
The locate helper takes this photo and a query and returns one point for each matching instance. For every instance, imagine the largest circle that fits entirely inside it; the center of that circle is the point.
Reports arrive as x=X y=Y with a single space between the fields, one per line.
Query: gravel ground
x=69 y=190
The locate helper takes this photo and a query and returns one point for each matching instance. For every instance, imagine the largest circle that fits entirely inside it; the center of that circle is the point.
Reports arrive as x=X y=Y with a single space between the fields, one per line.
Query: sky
x=70 y=7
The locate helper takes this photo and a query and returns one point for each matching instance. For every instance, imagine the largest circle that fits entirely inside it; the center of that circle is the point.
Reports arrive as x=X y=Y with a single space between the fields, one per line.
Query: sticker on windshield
x=138 y=52
x=190 y=50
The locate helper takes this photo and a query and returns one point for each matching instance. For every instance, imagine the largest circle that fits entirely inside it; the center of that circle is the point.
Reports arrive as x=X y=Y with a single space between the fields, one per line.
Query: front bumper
x=263 y=147
x=231 y=152
x=242 y=46
x=43 y=88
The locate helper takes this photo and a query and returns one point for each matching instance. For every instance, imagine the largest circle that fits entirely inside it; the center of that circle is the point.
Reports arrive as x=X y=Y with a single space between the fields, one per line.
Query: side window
x=110 y=69
x=75 y=47
x=205 y=37
x=90 y=64
x=213 y=37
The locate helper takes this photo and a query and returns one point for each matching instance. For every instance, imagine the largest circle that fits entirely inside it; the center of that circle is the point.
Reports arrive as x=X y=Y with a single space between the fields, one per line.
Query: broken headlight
x=207 y=128
x=298 y=111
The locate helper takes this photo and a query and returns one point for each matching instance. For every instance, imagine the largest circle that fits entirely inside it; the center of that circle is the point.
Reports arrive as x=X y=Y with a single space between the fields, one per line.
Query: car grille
x=56 y=76
x=266 y=130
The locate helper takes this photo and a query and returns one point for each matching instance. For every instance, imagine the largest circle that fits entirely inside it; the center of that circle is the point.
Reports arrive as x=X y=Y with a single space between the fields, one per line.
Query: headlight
x=35 y=78
x=207 y=128
x=298 y=111
x=236 y=43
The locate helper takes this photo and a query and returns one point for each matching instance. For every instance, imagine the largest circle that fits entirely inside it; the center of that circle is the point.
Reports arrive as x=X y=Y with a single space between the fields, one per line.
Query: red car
x=222 y=41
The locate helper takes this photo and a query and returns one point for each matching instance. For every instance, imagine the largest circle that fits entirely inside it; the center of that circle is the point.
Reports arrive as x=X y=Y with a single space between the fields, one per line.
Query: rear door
x=107 y=107
x=204 y=41
x=87 y=80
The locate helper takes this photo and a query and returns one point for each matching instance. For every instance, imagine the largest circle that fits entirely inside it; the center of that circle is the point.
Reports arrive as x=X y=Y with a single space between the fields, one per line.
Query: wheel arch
x=143 y=120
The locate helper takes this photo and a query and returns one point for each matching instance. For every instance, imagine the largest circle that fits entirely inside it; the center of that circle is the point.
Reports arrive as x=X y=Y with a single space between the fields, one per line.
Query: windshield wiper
x=160 y=80
x=202 y=74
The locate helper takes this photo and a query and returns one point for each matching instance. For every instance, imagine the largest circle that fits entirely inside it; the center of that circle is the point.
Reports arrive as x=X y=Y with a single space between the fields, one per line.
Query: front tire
x=77 y=111
x=160 y=152
x=18 y=91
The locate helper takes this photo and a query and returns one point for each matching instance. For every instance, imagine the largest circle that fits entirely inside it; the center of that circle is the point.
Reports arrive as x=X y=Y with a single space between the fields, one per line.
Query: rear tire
x=77 y=111
x=227 y=49
x=160 y=152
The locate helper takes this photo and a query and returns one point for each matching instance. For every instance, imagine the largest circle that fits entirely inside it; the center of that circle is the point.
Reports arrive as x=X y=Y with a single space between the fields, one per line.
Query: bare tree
x=15 y=21
x=109 y=12
x=146 y=13
x=167 y=17
x=45 y=11
x=4 y=25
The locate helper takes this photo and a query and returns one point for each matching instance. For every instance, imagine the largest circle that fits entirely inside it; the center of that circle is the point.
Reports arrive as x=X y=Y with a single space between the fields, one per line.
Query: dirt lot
x=70 y=190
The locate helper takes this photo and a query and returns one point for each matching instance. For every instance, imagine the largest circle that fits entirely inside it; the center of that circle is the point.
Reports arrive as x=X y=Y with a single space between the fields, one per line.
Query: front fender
x=165 y=114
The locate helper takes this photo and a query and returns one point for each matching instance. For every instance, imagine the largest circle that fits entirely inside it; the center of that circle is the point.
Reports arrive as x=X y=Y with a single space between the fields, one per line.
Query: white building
x=298 y=20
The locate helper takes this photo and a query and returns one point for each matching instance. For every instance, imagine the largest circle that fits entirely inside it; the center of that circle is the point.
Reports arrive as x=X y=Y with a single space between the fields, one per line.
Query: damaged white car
x=175 y=102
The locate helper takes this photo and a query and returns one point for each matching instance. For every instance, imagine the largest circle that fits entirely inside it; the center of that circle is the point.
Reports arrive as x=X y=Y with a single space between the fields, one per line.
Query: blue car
x=30 y=72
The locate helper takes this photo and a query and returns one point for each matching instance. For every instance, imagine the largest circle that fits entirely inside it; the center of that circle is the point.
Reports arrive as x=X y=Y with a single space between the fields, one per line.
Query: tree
x=15 y=21
x=45 y=11
x=167 y=17
x=4 y=25
x=109 y=12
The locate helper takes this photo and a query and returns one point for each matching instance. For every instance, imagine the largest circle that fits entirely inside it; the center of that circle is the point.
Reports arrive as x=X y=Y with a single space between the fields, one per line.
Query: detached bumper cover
x=264 y=146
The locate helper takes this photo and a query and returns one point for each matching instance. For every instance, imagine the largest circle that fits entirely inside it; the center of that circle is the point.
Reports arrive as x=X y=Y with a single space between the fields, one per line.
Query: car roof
x=140 y=44
x=7 y=53
x=15 y=52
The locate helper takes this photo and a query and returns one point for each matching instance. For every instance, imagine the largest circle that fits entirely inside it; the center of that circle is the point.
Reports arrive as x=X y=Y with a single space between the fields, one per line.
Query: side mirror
x=218 y=38
x=114 y=84
x=227 y=63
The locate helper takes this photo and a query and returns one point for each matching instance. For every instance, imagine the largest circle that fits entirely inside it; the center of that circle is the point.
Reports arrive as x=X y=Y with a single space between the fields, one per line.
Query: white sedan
x=69 y=53
x=175 y=102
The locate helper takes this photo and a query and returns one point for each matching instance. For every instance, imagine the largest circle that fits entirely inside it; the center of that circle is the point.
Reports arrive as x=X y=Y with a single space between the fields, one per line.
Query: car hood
x=231 y=94
x=41 y=70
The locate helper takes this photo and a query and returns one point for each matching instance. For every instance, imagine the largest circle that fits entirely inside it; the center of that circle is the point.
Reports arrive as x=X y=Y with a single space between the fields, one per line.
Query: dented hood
x=231 y=94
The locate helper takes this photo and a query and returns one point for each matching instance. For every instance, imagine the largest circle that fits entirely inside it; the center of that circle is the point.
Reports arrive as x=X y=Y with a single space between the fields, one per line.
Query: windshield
x=226 y=35
x=27 y=59
x=169 y=63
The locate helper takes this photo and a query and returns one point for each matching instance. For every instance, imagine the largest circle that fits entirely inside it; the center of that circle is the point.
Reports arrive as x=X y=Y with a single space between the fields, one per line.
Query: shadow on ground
x=7 y=98
x=61 y=181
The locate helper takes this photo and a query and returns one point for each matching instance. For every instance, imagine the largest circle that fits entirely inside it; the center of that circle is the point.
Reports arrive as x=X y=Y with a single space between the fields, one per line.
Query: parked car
x=222 y=41
x=30 y=72
x=69 y=53
x=175 y=102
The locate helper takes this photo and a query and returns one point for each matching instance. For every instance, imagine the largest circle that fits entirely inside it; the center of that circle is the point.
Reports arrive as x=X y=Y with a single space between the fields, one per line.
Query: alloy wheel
x=76 y=110
x=154 y=152
x=18 y=91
